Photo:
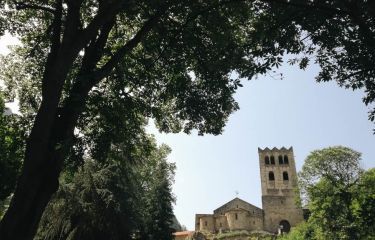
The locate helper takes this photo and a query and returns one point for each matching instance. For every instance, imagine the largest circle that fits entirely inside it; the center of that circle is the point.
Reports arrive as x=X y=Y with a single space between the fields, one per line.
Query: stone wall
x=234 y=219
x=278 y=190
x=278 y=208
x=207 y=223
x=237 y=219
x=221 y=223
x=199 y=225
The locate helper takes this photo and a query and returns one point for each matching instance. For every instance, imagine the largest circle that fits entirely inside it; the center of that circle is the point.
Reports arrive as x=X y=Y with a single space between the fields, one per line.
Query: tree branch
x=310 y=6
x=55 y=46
x=84 y=83
x=94 y=51
x=72 y=24
x=105 y=14
x=365 y=32
x=22 y=5
x=130 y=45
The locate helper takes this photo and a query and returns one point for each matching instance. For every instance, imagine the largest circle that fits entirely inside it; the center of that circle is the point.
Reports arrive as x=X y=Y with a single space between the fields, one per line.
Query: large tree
x=169 y=60
x=114 y=200
x=339 y=195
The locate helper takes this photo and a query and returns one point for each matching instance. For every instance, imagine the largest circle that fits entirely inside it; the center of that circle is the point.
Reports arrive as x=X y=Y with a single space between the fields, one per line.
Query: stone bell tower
x=279 y=183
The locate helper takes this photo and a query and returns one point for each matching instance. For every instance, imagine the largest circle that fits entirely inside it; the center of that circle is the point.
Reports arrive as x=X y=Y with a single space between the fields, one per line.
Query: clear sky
x=295 y=111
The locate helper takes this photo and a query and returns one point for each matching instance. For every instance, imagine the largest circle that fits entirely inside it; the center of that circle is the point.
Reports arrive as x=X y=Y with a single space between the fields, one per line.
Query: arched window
x=272 y=160
x=286 y=161
x=285 y=176
x=271 y=176
x=267 y=160
x=281 y=159
x=236 y=216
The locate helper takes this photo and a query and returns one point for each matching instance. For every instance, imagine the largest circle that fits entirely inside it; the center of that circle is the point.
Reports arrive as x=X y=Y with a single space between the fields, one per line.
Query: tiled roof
x=184 y=233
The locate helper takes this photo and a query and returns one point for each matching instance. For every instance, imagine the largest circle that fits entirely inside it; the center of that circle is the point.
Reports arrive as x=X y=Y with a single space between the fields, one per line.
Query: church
x=279 y=209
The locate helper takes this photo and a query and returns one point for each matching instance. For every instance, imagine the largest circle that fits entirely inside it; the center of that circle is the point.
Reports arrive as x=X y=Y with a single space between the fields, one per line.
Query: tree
x=157 y=202
x=338 y=35
x=11 y=152
x=302 y=231
x=168 y=60
x=363 y=205
x=91 y=206
x=337 y=165
x=339 y=195
x=114 y=200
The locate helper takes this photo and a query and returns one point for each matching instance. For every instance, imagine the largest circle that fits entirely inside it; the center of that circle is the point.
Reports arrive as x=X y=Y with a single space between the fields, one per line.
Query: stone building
x=279 y=210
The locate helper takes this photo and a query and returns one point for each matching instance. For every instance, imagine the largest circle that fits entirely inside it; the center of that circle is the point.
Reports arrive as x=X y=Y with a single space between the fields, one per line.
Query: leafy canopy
x=179 y=74
x=339 y=195
x=89 y=72
x=337 y=35
x=11 y=151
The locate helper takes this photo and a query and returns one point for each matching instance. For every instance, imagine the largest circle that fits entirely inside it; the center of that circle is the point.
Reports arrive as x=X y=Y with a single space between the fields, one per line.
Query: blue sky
x=295 y=111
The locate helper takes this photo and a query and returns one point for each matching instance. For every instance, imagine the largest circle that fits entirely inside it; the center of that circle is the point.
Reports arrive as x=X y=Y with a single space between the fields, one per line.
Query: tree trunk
x=43 y=164
x=39 y=178
x=32 y=194
x=42 y=161
x=52 y=131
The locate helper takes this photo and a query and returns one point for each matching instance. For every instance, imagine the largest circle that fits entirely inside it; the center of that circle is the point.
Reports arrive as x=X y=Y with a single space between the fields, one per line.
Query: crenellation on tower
x=278 y=182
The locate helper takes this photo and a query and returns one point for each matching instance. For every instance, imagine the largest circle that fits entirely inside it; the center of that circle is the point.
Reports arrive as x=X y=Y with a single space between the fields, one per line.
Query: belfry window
x=281 y=159
x=285 y=176
x=267 y=160
x=271 y=176
x=286 y=161
x=272 y=160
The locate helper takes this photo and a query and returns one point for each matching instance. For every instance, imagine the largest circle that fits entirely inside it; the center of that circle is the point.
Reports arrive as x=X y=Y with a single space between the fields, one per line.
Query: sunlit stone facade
x=280 y=211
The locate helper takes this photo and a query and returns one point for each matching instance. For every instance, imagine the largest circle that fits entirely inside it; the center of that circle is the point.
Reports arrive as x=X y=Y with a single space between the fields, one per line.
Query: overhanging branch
x=130 y=45
x=310 y=6
x=22 y=5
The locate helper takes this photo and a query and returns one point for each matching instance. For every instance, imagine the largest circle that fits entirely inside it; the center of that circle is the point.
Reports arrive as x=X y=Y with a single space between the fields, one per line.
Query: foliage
x=11 y=151
x=302 y=231
x=338 y=35
x=86 y=65
x=339 y=166
x=115 y=200
x=87 y=208
x=363 y=204
x=156 y=206
x=4 y=204
x=87 y=70
x=339 y=195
